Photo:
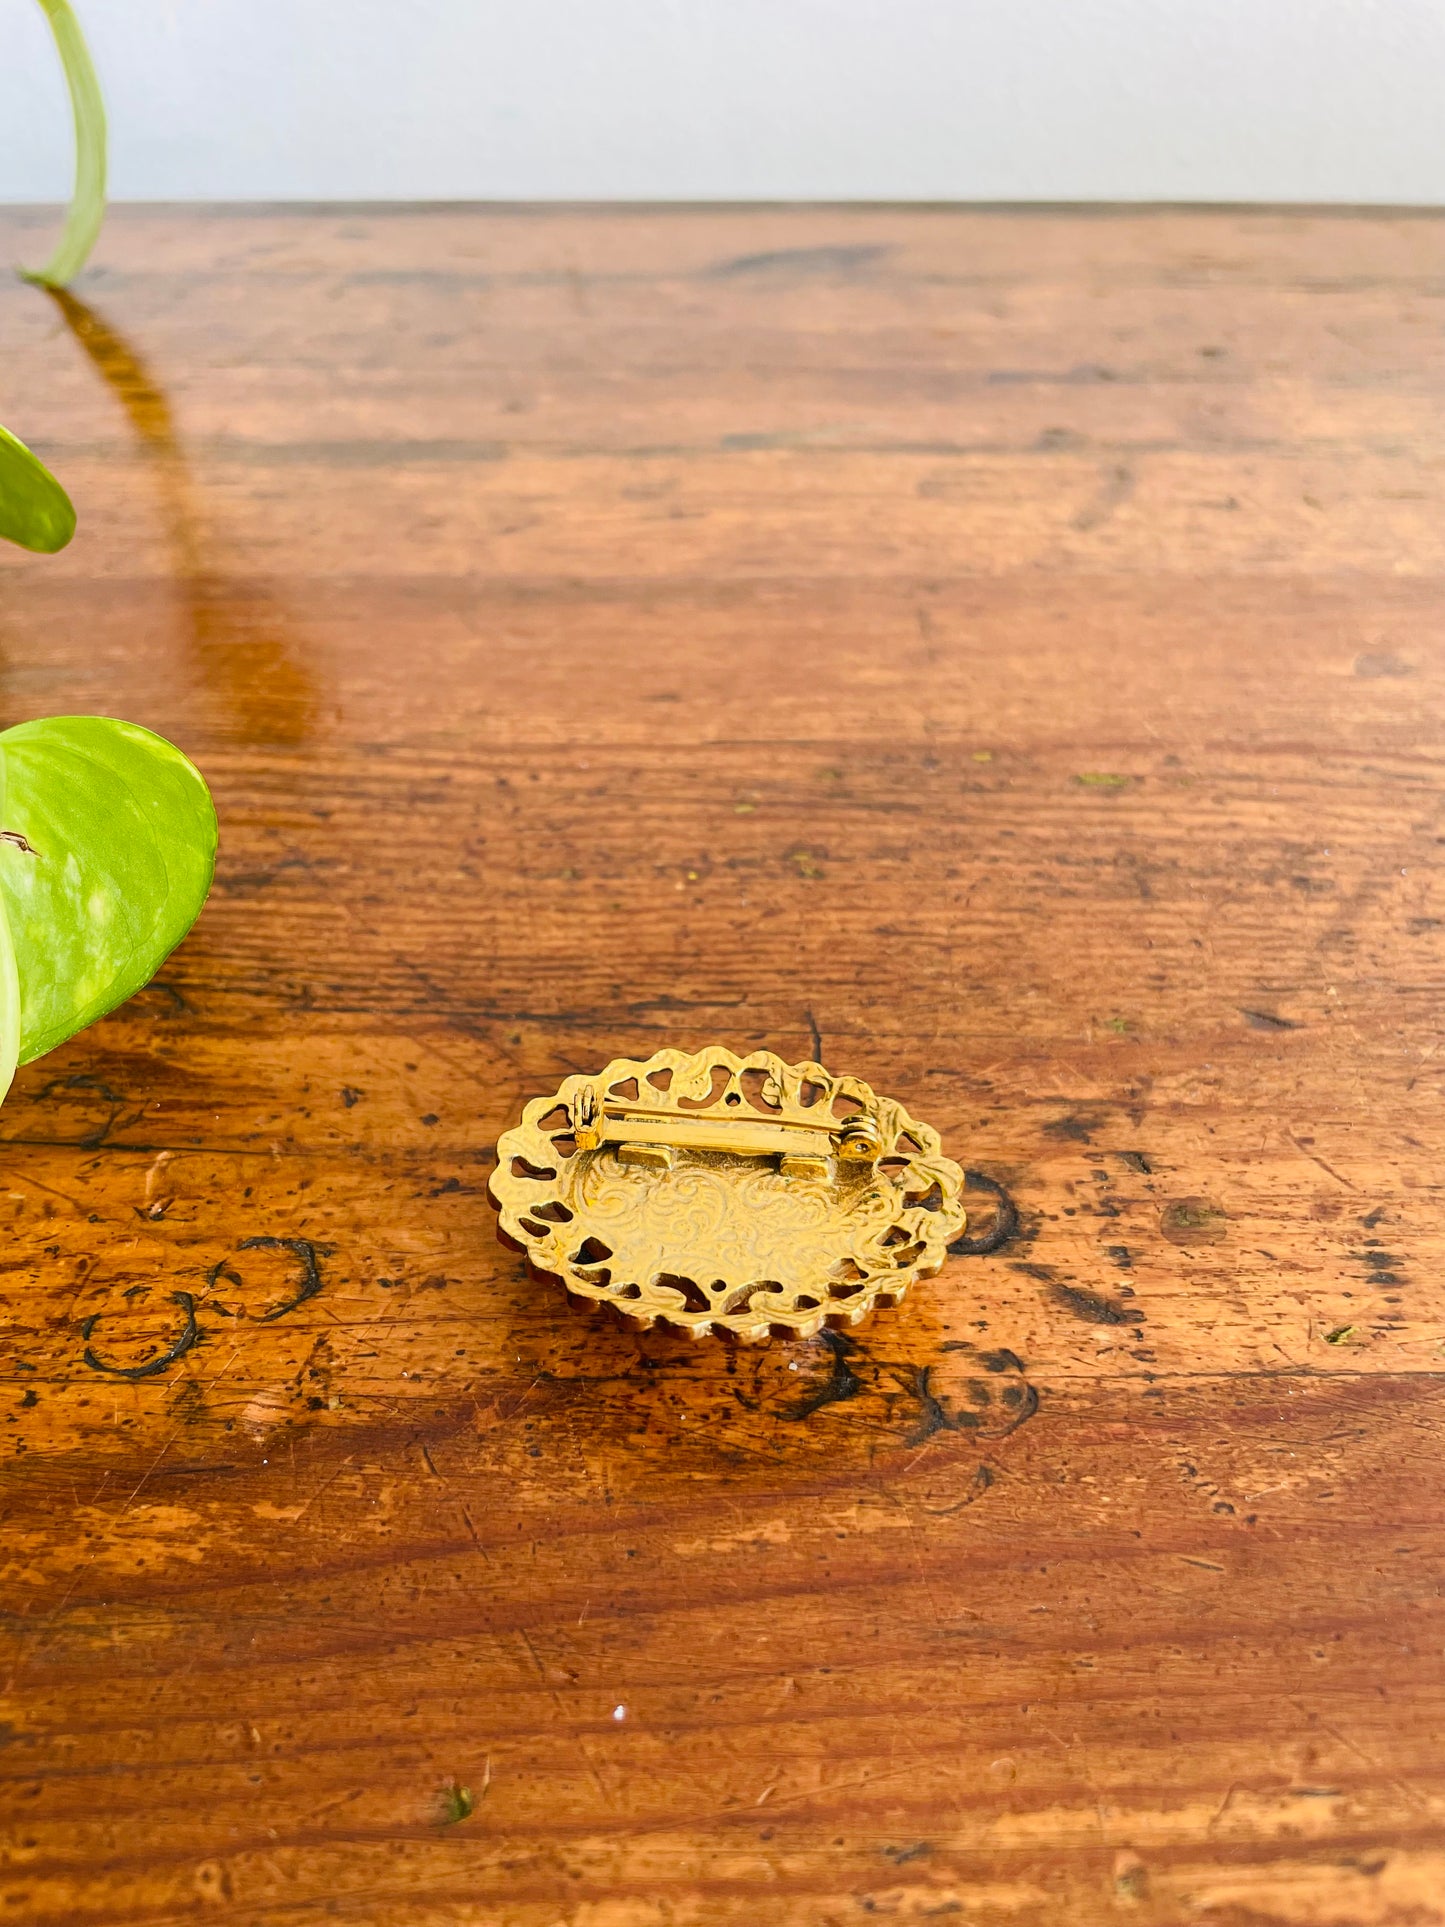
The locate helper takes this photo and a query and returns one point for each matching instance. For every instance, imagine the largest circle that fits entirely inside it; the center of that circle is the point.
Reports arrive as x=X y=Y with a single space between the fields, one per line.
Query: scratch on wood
x=1315 y=1158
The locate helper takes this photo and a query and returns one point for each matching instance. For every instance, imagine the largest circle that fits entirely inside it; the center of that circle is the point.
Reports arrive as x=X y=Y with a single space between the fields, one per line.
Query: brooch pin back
x=725 y=1193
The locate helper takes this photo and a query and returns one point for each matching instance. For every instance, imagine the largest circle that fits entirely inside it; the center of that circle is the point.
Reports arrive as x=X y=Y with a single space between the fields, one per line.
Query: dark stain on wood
x=189 y=1336
x=1194 y=1221
x=1004 y=1226
x=842 y=1381
x=1091 y=1307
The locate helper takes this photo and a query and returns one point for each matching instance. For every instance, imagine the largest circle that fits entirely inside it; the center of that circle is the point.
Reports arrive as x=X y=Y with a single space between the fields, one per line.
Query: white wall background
x=1332 y=100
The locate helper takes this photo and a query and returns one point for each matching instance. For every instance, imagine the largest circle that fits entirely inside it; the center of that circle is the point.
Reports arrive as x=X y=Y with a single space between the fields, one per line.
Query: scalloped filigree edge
x=552 y=1248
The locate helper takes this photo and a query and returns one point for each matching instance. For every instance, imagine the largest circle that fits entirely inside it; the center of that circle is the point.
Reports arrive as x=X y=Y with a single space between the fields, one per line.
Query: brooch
x=724 y=1193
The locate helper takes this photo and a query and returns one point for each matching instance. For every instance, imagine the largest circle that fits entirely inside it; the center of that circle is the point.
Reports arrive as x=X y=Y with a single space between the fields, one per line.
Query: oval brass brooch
x=724 y=1193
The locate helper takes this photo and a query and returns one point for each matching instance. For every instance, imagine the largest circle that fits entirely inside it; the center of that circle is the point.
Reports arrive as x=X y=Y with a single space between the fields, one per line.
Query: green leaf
x=107 y=848
x=35 y=510
x=9 y=1009
x=87 y=200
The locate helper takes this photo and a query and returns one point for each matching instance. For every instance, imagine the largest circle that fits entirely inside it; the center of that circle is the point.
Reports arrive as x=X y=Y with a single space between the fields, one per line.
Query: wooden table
x=1000 y=651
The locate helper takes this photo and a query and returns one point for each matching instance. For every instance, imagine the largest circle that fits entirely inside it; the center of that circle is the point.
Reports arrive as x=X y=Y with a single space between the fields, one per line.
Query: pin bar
x=647 y=1136
x=747 y=1136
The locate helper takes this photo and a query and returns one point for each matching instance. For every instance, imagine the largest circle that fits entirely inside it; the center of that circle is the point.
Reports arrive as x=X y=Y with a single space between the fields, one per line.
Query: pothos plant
x=107 y=832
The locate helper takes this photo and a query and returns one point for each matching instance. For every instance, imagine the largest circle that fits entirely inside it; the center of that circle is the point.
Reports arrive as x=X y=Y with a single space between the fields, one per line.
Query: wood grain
x=1003 y=649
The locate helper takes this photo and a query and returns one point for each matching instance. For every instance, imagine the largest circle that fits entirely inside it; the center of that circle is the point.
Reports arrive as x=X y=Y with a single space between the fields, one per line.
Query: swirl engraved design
x=714 y=1239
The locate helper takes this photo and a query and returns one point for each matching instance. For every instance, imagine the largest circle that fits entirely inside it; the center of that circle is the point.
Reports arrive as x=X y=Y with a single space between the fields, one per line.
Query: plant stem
x=87 y=201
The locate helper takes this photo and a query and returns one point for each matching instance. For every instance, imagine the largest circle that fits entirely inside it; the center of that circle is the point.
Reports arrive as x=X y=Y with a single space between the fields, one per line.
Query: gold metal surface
x=724 y=1193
